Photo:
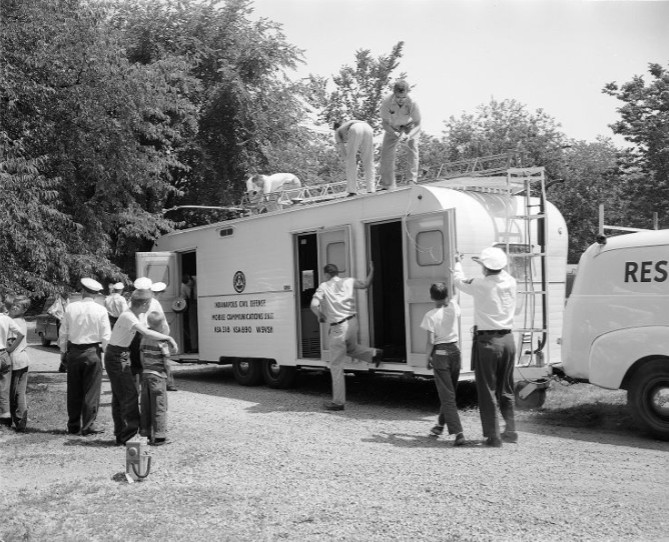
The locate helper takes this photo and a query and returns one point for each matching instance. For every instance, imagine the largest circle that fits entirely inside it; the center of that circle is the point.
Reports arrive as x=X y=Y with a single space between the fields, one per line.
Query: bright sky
x=554 y=55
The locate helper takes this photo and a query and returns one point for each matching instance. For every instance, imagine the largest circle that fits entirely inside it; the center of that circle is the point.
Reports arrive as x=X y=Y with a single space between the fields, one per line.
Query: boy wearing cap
x=400 y=116
x=125 y=405
x=84 y=333
x=115 y=303
x=493 y=350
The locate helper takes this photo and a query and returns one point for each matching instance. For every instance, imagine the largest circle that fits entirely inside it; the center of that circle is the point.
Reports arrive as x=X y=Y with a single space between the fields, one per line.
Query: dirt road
x=262 y=464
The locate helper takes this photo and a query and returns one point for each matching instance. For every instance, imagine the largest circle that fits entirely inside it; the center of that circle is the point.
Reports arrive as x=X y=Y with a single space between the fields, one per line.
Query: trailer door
x=163 y=267
x=334 y=246
x=429 y=250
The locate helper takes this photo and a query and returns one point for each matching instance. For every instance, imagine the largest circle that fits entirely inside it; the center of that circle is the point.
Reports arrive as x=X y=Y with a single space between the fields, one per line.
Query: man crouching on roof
x=266 y=184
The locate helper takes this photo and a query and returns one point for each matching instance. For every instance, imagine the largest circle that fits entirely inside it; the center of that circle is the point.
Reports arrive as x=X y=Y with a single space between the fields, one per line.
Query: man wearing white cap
x=493 y=350
x=115 y=303
x=84 y=333
x=157 y=288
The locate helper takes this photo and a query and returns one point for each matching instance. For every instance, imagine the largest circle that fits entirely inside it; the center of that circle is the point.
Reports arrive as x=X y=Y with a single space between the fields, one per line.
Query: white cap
x=91 y=284
x=493 y=258
x=143 y=283
x=118 y=286
x=158 y=287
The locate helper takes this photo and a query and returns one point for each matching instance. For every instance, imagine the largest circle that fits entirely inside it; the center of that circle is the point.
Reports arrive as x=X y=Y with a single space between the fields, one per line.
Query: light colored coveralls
x=351 y=137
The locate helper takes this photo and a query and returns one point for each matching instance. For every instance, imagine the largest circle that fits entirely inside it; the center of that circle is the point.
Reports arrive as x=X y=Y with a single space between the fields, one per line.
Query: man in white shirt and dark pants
x=84 y=333
x=494 y=351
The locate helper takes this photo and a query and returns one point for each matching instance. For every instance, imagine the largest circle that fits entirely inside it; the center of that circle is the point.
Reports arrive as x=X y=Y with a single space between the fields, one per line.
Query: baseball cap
x=91 y=285
x=118 y=286
x=158 y=287
x=143 y=283
x=493 y=258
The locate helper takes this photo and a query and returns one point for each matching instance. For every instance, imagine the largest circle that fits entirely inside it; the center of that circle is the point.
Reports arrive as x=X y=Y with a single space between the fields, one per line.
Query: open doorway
x=188 y=291
x=307 y=276
x=387 y=295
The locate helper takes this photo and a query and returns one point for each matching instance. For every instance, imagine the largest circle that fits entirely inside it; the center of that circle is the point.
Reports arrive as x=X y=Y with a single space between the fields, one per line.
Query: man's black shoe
x=332 y=406
x=510 y=436
x=459 y=440
x=493 y=442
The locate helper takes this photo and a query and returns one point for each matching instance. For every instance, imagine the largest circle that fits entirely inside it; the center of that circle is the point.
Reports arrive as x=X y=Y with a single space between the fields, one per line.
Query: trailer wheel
x=648 y=398
x=536 y=399
x=247 y=372
x=276 y=376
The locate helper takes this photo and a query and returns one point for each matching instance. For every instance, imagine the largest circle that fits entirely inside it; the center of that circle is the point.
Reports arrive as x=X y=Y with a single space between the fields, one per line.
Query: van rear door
x=429 y=250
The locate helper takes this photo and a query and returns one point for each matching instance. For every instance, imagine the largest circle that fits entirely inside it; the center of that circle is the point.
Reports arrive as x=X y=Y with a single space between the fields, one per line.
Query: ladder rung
x=528 y=217
x=542 y=292
x=527 y=254
x=530 y=330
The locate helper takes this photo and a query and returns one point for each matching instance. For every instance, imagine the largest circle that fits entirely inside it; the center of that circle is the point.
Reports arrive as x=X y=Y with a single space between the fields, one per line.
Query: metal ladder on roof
x=529 y=261
x=493 y=165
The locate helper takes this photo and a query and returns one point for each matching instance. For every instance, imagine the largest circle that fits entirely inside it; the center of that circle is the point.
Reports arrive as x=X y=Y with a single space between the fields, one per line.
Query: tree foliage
x=644 y=122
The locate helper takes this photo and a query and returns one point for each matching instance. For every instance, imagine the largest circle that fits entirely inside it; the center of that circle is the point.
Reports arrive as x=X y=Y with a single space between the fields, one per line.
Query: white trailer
x=256 y=275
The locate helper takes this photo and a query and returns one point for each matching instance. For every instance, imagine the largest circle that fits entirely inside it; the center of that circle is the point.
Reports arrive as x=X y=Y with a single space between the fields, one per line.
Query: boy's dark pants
x=154 y=406
x=17 y=398
x=446 y=364
x=84 y=381
x=495 y=356
x=125 y=406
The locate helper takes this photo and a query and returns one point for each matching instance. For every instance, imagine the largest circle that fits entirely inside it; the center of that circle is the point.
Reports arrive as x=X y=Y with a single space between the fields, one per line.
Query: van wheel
x=276 y=376
x=536 y=399
x=648 y=397
x=247 y=372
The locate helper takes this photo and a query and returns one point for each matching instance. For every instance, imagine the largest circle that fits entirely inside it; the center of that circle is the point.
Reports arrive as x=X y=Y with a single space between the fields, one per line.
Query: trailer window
x=430 y=248
x=336 y=254
x=158 y=273
x=226 y=232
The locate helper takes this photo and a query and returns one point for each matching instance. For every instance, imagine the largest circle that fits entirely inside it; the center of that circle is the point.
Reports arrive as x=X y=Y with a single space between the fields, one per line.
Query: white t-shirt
x=443 y=322
x=337 y=298
x=124 y=330
x=19 y=356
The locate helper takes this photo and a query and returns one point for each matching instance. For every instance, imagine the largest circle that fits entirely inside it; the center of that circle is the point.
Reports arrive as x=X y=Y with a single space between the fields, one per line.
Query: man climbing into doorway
x=334 y=303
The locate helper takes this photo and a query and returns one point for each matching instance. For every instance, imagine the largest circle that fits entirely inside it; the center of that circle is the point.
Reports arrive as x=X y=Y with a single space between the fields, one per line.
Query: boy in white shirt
x=443 y=356
x=20 y=361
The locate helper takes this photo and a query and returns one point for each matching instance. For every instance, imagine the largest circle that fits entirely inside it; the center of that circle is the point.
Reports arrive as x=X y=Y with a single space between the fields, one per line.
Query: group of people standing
x=493 y=351
x=400 y=119
x=138 y=343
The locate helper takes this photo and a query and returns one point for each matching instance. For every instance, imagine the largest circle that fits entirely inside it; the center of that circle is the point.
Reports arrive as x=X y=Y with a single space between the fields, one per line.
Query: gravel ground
x=261 y=464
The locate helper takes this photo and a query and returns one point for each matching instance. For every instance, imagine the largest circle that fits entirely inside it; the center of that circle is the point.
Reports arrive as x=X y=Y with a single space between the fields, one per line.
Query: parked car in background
x=46 y=324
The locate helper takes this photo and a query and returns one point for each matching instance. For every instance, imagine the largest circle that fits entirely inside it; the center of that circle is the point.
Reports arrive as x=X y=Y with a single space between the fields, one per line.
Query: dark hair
x=401 y=86
x=439 y=291
x=336 y=124
x=331 y=269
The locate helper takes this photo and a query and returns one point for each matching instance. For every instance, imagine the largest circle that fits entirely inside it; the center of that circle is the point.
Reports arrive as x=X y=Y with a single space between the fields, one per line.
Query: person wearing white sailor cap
x=115 y=303
x=143 y=284
x=84 y=333
x=493 y=351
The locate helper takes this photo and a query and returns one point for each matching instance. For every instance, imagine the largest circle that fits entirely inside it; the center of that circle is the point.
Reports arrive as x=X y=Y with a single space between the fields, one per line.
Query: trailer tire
x=648 y=398
x=276 y=376
x=247 y=371
x=536 y=399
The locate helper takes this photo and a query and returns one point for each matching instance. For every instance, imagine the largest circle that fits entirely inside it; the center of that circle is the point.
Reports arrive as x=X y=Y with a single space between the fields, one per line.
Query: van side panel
x=614 y=353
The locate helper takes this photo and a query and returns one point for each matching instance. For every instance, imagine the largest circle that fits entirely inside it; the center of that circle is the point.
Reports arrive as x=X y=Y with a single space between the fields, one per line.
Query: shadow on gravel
x=408 y=399
x=414 y=399
x=406 y=440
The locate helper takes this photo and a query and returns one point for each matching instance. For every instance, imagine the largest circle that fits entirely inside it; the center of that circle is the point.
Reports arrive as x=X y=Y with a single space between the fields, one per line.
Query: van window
x=430 y=248
x=158 y=272
x=336 y=254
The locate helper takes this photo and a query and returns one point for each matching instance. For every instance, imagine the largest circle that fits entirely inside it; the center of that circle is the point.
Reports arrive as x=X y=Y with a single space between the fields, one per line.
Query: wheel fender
x=612 y=354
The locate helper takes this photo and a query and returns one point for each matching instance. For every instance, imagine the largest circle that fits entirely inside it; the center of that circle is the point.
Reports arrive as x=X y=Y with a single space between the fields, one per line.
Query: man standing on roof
x=84 y=334
x=494 y=351
x=400 y=116
x=334 y=303
x=351 y=137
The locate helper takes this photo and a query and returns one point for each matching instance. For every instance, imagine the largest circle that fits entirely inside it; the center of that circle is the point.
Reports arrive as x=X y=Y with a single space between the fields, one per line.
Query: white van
x=256 y=275
x=616 y=323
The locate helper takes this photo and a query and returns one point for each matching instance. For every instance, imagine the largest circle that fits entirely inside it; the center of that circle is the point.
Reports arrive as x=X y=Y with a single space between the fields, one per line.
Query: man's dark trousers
x=125 y=403
x=84 y=381
x=495 y=355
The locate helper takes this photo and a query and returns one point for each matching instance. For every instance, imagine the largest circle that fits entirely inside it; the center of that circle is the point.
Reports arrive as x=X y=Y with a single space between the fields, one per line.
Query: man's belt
x=82 y=346
x=342 y=321
x=493 y=331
